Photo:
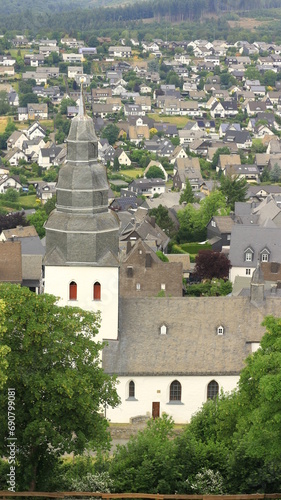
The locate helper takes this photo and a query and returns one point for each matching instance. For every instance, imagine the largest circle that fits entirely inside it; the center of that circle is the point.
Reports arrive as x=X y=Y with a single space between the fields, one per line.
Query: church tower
x=81 y=262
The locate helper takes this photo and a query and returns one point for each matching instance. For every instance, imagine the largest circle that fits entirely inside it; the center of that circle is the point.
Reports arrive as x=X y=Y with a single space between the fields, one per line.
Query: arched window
x=72 y=290
x=213 y=390
x=131 y=389
x=97 y=291
x=175 y=391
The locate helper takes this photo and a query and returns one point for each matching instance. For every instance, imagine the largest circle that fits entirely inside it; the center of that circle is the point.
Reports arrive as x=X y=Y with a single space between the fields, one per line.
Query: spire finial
x=82 y=109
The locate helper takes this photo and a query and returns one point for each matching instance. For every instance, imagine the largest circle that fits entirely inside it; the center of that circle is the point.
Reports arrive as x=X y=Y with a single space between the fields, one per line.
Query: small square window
x=264 y=257
x=163 y=286
x=248 y=257
x=248 y=272
x=220 y=330
x=138 y=287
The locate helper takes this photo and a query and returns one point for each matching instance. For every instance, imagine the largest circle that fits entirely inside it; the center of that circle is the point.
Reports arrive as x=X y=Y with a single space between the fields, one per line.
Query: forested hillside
x=87 y=15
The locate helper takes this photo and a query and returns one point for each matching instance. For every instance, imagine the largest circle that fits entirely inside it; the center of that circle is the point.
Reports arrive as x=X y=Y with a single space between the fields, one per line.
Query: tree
x=209 y=264
x=187 y=195
x=147 y=463
x=4 y=104
x=163 y=220
x=12 y=195
x=26 y=99
x=234 y=189
x=14 y=219
x=111 y=133
x=38 y=220
x=275 y=173
x=239 y=433
x=259 y=389
x=59 y=387
x=50 y=205
x=64 y=104
x=220 y=151
x=155 y=172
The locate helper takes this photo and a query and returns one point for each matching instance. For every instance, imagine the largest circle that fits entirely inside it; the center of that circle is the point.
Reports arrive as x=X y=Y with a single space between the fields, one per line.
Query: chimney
x=152 y=220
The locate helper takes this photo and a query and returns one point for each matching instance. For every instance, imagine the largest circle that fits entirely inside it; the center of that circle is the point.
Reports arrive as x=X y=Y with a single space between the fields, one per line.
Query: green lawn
x=28 y=201
x=179 y=121
x=133 y=173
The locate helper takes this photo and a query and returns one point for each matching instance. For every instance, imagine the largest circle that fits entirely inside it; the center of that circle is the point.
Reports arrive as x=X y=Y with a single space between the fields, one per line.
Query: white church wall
x=58 y=279
x=157 y=389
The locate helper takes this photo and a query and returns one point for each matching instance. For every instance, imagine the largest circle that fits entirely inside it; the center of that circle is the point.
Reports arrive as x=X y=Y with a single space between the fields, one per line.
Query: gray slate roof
x=191 y=345
x=256 y=237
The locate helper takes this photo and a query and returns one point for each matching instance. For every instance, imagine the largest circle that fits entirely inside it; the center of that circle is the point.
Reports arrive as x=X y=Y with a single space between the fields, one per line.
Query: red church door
x=155 y=409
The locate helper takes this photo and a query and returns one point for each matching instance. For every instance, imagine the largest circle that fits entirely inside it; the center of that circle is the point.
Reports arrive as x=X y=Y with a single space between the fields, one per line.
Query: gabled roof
x=256 y=237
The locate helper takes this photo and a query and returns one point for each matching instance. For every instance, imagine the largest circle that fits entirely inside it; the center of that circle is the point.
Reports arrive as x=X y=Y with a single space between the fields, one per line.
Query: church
x=170 y=354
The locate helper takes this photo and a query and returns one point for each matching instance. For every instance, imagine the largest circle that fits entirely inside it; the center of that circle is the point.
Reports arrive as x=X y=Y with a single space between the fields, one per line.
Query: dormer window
x=264 y=255
x=248 y=254
x=163 y=329
x=220 y=330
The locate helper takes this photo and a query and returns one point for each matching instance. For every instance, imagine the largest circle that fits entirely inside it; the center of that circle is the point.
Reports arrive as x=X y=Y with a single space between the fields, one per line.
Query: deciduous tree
x=187 y=195
x=209 y=264
x=234 y=189
x=60 y=388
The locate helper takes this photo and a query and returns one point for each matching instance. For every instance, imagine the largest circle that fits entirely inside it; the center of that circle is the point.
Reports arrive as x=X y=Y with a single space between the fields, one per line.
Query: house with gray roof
x=145 y=187
x=187 y=169
x=250 y=244
x=219 y=232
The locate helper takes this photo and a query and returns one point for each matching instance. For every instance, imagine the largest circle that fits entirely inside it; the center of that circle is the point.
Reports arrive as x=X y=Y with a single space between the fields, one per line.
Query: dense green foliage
x=163 y=220
x=148 y=462
x=155 y=172
x=234 y=189
x=193 y=221
x=210 y=288
x=59 y=386
x=187 y=195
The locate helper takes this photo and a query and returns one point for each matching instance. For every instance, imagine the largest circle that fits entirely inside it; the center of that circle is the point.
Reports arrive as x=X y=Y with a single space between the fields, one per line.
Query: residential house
x=18 y=232
x=250 y=244
x=16 y=140
x=145 y=187
x=133 y=110
x=119 y=51
x=249 y=172
x=14 y=155
x=122 y=157
x=227 y=160
x=72 y=57
x=179 y=152
x=145 y=229
x=45 y=191
x=138 y=133
x=51 y=156
x=143 y=274
x=241 y=138
x=219 y=232
x=187 y=169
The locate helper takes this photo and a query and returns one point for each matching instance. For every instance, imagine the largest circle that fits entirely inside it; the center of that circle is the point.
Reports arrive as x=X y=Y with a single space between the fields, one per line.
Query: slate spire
x=81 y=229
